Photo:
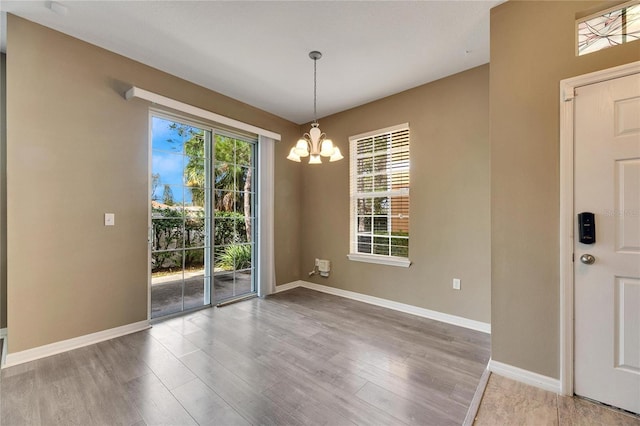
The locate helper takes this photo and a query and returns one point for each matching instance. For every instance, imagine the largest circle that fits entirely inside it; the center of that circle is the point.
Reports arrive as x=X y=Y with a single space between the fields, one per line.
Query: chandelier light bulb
x=293 y=156
x=337 y=155
x=302 y=148
x=315 y=159
x=327 y=148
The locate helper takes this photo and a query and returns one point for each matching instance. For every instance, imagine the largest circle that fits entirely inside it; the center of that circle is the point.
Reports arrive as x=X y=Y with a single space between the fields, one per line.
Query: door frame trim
x=567 y=94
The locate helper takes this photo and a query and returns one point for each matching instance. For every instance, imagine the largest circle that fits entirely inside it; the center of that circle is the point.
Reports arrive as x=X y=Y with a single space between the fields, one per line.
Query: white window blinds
x=379 y=182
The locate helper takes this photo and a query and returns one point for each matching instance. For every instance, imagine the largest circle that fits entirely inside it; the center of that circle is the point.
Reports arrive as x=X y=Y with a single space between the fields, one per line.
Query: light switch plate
x=109 y=219
x=456 y=283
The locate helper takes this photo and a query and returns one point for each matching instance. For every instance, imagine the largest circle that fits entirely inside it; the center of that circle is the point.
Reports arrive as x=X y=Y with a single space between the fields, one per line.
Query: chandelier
x=314 y=144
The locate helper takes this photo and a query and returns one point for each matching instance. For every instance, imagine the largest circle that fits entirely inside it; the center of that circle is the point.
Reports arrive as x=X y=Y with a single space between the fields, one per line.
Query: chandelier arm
x=319 y=143
x=310 y=142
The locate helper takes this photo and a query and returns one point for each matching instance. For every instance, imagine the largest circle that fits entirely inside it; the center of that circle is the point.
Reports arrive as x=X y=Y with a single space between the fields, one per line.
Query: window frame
x=354 y=255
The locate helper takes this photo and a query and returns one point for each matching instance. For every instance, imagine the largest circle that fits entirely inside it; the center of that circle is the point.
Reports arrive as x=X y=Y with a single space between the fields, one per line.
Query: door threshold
x=609 y=406
x=156 y=320
x=237 y=299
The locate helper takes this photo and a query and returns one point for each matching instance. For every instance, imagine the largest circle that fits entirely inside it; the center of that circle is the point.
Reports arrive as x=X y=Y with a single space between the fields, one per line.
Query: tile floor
x=507 y=402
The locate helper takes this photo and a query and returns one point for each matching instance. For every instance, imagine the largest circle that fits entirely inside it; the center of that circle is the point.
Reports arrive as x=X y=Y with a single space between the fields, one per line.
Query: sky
x=168 y=161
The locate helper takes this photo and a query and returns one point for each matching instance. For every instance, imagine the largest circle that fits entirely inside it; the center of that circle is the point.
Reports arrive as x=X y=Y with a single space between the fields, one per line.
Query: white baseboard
x=74 y=343
x=525 y=376
x=390 y=304
x=289 y=286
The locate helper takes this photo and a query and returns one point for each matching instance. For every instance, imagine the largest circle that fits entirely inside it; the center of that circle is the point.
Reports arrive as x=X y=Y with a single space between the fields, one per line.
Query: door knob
x=587 y=259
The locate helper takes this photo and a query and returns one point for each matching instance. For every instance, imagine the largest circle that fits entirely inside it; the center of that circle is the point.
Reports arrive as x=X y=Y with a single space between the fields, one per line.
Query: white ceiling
x=257 y=51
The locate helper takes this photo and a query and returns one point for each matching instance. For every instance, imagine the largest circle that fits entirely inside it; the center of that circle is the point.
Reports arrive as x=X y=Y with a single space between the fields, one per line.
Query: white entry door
x=607 y=291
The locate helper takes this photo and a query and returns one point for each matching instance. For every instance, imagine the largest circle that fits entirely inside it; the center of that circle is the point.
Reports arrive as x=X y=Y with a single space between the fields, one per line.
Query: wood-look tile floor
x=297 y=357
x=507 y=402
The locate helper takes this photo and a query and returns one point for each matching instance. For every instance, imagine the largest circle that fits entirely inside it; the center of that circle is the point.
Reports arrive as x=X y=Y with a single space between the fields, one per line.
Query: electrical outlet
x=456 y=283
x=109 y=219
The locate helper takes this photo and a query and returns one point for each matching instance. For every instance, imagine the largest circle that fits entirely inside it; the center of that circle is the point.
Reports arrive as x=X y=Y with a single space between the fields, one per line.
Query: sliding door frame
x=262 y=268
x=252 y=140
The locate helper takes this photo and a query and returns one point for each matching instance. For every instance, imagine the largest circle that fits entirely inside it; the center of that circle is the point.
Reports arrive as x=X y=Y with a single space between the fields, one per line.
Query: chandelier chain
x=315 y=113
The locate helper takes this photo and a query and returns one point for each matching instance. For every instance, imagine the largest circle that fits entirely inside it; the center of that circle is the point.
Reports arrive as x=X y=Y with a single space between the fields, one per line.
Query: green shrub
x=229 y=228
x=171 y=231
x=234 y=257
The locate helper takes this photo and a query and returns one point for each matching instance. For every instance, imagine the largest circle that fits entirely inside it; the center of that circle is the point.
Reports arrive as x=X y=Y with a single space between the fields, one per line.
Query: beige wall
x=75 y=150
x=450 y=199
x=532 y=49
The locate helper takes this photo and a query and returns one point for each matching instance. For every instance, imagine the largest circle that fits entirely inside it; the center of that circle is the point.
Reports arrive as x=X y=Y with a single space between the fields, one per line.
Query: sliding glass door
x=202 y=216
x=180 y=217
x=235 y=230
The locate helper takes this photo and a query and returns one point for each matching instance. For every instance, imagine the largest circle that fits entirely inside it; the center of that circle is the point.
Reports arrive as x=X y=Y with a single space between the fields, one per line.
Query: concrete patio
x=166 y=291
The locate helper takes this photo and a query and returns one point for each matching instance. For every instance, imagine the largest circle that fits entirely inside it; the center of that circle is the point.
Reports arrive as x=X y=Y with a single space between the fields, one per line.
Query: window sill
x=381 y=260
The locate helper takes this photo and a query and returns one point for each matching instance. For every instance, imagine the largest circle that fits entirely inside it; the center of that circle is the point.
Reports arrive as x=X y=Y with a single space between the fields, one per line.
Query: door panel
x=180 y=217
x=627 y=324
x=607 y=292
x=234 y=202
x=627 y=202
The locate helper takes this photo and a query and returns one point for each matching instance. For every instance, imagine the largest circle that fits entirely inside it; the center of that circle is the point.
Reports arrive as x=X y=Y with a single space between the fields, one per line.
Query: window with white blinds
x=379 y=182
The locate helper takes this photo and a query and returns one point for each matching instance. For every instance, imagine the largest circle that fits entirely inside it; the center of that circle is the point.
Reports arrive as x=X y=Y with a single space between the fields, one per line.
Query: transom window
x=379 y=182
x=618 y=25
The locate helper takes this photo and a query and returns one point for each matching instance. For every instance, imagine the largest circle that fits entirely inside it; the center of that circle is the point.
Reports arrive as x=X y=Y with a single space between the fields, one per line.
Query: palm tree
x=194 y=170
x=231 y=171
